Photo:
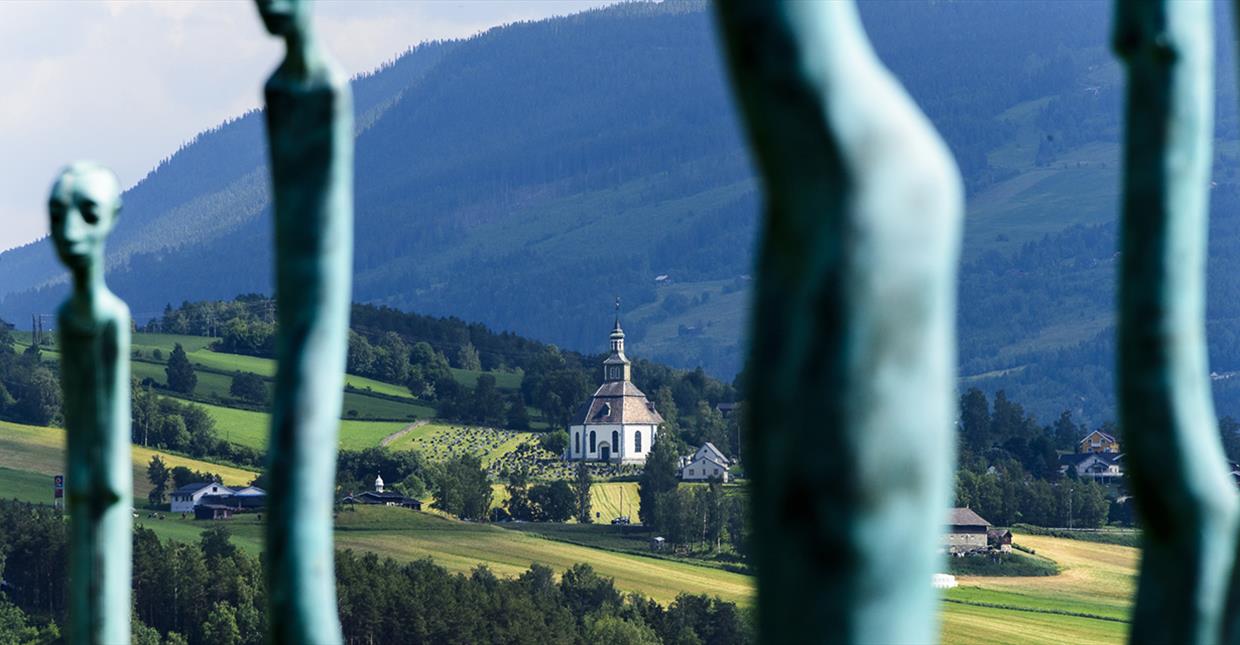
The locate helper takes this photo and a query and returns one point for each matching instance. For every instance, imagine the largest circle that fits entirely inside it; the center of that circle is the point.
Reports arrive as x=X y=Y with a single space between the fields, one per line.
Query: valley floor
x=1087 y=603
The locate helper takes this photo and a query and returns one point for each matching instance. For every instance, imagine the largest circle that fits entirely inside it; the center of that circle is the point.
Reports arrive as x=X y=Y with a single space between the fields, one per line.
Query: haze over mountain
x=526 y=177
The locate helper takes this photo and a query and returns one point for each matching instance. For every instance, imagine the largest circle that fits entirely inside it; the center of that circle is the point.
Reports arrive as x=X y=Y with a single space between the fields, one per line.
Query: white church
x=618 y=424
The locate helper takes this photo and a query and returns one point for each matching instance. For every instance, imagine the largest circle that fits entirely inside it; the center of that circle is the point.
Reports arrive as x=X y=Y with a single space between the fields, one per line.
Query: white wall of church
x=620 y=441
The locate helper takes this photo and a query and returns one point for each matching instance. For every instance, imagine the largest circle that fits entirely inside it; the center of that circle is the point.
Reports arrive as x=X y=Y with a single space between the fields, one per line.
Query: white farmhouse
x=185 y=498
x=707 y=463
x=618 y=424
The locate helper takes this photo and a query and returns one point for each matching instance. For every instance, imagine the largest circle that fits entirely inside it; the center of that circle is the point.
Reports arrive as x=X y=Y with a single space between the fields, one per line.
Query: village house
x=1098 y=441
x=705 y=464
x=185 y=498
x=381 y=497
x=618 y=424
x=966 y=531
x=1097 y=457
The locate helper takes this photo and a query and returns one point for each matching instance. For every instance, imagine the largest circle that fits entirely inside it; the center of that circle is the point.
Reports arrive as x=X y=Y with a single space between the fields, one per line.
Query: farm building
x=966 y=531
x=618 y=424
x=1000 y=539
x=247 y=500
x=185 y=498
x=384 y=498
x=705 y=464
x=212 y=512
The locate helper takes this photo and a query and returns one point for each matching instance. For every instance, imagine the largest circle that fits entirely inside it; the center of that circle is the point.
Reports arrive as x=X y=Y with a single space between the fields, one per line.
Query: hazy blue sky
x=126 y=83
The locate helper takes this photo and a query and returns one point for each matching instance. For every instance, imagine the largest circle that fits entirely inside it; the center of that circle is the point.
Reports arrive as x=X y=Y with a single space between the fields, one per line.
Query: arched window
x=577 y=436
x=591 y=441
x=615 y=440
x=637 y=441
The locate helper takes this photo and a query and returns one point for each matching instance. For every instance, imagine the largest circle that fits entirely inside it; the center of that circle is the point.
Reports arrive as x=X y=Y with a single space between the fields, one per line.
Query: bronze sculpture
x=310 y=134
x=93 y=327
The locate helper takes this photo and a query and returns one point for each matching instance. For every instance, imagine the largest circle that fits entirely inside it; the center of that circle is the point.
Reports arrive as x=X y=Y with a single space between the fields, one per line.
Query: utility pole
x=1071 y=491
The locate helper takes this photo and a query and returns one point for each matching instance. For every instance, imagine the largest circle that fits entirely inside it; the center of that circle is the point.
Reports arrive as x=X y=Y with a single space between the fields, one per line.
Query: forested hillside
x=525 y=177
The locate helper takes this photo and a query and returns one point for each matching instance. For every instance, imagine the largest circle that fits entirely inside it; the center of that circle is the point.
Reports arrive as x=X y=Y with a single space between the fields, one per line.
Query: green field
x=1096 y=579
x=248 y=428
x=460 y=546
x=1095 y=586
x=30 y=455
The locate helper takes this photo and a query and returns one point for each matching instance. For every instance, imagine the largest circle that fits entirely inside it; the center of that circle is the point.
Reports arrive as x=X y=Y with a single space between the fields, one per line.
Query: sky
x=127 y=83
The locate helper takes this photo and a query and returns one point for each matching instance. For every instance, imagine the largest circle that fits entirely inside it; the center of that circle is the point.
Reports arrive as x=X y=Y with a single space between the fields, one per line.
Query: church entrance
x=604 y=452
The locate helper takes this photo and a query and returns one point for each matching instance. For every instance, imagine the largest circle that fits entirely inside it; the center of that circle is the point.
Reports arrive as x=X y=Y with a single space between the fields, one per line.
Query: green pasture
x=249 y=428
x=406 y=535
x=30 y=455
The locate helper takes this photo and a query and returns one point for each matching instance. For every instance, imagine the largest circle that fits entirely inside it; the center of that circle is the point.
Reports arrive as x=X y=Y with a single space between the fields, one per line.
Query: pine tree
x=181 y=376
x=658 y=476
x=157 y=473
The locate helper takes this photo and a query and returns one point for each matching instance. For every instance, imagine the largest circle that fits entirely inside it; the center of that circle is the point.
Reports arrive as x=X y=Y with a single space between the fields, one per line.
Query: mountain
x=527 y=176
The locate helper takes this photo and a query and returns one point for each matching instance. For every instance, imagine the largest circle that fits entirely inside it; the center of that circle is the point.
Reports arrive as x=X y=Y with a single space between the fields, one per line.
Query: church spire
x=616 y=367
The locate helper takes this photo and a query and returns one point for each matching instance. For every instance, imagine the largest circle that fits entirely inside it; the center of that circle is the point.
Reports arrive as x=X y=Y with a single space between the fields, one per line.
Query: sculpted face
x=283 y=17
x=83 y=206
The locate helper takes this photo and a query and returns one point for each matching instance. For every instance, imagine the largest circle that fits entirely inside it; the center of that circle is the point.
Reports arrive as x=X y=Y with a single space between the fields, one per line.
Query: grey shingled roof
x=618 y=402
x=965 y=517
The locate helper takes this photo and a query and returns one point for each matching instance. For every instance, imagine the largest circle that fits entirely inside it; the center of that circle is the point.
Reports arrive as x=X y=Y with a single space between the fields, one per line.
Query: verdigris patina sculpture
x=1177 y=472
x=93 y=327
x=310 y=133
x=853 y=329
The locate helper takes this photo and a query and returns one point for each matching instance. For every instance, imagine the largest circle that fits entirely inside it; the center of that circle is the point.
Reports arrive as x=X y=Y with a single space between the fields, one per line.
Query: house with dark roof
x=185 y=498
x=618 y=424
x=382 y=497
x=966 y=531
x=250 y=499
x=705 y=464
x=1101 y=467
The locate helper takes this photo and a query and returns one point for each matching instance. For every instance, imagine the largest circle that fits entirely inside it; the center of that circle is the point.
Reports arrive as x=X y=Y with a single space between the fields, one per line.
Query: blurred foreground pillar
x=852 y=366
x=1175 y=463
x=310 y=132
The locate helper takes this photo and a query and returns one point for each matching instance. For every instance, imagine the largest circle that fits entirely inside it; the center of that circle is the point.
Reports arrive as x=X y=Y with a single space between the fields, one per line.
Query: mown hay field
x=1097 y=580
x=29 y=454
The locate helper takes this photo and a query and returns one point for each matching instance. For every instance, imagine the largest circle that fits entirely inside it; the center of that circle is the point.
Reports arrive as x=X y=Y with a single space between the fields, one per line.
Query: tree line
x=420 y=352
x=213 y=592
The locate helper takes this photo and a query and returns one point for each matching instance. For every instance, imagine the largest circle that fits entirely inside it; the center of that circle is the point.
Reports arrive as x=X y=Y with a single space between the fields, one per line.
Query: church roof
x=617 y=402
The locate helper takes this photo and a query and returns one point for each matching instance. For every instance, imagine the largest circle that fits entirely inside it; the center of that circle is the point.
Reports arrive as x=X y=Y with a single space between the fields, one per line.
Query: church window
x=615 y=440
x=637 y=441
x=577 y=436
x=591 y=441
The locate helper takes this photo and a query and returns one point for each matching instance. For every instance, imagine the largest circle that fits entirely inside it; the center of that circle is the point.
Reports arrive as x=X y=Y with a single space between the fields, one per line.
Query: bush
x=1001 y=564
x=249 y=387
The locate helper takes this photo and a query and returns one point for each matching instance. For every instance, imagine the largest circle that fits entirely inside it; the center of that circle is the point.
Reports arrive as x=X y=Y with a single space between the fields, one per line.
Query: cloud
x=127 y=83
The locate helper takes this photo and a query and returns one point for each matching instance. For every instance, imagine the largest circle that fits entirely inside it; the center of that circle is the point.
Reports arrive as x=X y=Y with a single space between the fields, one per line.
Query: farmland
x=1095 y=585
x=30 y=455
x=1098 y=580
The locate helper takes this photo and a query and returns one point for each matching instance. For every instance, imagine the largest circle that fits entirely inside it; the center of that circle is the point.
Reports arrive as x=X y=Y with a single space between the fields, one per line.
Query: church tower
x=617 y=367
x=618 y=424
